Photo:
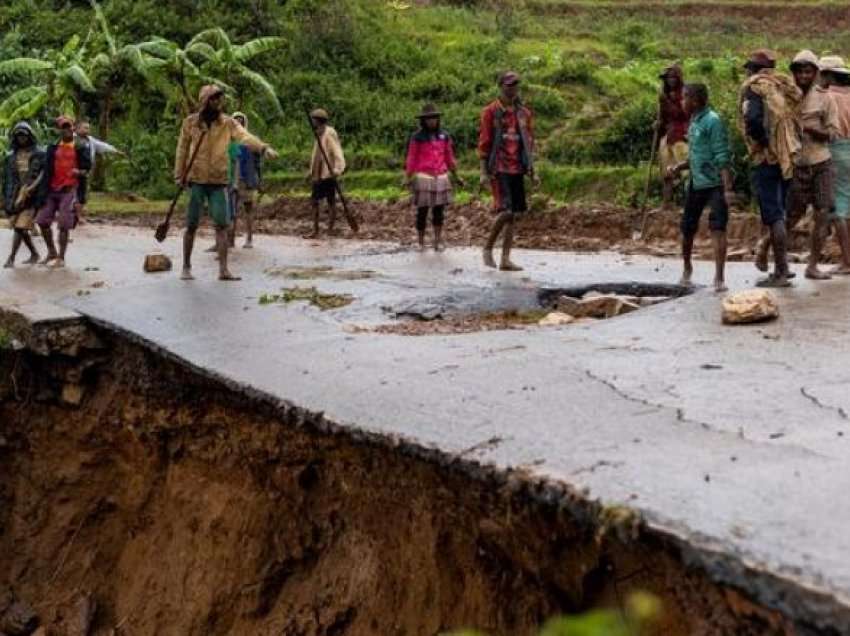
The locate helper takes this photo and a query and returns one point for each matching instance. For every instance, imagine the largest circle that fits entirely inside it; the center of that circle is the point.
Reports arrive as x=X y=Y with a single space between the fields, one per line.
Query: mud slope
x=167 y=503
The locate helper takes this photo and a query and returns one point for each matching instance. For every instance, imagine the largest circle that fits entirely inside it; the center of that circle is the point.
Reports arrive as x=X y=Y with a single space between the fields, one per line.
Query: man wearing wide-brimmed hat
x=835 y=77
x=506 y=151
x=323 y=176
x=429 y=162
x=812 y=181
x=768 y=104
x=672 y=125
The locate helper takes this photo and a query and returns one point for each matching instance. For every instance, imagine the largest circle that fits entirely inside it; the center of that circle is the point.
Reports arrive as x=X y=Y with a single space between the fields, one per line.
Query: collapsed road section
x=145 y=496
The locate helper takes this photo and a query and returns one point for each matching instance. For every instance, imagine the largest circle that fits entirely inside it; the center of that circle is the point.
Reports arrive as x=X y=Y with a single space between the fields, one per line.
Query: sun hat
x=762 y=58
x=805 y=57
x=833 y=64
x=428 y=110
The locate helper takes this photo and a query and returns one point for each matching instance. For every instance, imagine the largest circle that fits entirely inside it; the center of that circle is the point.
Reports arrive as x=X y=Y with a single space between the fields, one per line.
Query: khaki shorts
x=23 y=220
x=671 y=155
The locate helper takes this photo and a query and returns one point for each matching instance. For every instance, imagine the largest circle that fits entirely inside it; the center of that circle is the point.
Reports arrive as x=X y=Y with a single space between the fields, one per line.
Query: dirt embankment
x=153 y=500
x=569 y=227
x=577 y=227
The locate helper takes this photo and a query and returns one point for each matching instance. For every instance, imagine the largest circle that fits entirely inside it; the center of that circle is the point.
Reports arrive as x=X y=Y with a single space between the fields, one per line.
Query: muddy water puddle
x=522 y=308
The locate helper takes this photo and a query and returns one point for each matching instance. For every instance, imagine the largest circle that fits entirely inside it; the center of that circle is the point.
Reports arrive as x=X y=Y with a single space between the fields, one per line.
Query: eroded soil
x=155 y=500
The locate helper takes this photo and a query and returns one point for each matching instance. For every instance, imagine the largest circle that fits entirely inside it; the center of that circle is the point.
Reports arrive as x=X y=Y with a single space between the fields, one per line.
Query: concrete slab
x=734 y=440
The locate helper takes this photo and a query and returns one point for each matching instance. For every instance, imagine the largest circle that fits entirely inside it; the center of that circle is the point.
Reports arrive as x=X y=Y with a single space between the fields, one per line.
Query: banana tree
x=117 y=65
x=176 y=76
x=218 y=57
x=58 y=80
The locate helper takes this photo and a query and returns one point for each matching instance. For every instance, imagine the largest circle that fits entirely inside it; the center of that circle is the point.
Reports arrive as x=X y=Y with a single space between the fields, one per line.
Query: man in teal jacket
x=710 y=181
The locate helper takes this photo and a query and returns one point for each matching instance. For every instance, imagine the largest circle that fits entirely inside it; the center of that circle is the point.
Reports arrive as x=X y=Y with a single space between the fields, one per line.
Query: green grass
x=590 y=73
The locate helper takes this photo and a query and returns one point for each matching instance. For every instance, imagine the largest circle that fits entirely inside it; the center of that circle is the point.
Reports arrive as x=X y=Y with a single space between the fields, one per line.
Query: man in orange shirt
x=67 y=161
x=506 y=151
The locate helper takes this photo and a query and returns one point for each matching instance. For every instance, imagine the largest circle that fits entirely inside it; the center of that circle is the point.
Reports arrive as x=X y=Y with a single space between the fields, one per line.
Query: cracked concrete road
x=734 y=440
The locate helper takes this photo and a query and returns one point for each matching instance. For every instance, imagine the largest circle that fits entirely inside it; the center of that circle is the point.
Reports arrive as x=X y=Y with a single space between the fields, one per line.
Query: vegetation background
x=590 y=69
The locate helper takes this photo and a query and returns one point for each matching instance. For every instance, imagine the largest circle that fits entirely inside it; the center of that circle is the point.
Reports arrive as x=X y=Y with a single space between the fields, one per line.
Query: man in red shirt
x=67 y=161
x=506 y=151
x=673 y=121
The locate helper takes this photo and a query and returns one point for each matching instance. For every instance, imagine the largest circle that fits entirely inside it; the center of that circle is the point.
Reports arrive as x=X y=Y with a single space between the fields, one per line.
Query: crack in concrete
x=680 y=412
x=680 y=415
x=602 y=463
x=814 y=400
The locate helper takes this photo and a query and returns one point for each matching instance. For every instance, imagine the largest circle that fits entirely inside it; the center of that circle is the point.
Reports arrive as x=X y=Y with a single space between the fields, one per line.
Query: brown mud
x=574 y=227
x=140 y=496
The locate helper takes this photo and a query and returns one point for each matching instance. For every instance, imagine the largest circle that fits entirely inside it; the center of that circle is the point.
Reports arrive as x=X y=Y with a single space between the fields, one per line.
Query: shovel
x=162 y=228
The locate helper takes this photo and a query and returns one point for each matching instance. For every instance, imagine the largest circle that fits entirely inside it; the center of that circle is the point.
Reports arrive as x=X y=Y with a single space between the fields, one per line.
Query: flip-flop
x=819 y=275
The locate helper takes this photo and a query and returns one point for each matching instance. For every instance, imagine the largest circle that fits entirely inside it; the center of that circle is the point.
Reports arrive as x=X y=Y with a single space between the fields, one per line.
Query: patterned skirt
x=429 y=191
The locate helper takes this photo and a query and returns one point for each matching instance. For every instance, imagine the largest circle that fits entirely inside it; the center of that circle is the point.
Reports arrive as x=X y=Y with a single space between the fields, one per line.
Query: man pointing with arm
x=210 y=131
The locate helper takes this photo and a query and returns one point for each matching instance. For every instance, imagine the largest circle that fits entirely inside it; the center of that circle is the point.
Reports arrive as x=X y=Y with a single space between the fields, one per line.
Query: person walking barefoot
x=67 y=161
x=506 y=151
x=23 y=169
x=710 y=182
x=207 y=180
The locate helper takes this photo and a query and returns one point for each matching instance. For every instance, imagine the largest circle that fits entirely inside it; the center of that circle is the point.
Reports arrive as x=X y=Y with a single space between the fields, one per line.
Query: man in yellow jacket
x=209 y=132
x=322 y=175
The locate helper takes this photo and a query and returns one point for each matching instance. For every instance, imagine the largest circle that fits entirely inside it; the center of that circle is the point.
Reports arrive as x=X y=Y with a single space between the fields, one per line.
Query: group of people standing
x=220 y=163
x=797 y=133
x=43 y=186
x=796 y=128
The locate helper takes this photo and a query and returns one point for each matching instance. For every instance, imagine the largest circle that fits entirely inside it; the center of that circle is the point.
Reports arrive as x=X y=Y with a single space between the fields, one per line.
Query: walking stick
x=162 y=228
x=643 y=207
x=349 y=217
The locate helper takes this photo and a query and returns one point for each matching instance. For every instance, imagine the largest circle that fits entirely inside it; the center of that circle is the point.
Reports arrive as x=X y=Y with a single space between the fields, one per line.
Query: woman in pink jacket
x=430 y=160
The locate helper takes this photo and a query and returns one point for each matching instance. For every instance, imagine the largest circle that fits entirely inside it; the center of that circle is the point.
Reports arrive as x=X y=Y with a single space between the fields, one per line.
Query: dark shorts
x=59 y=207
x=771 y=191
x=509 y=193
x=82 y=190
x=718 y=216
x=812 y=185
x=324 y=189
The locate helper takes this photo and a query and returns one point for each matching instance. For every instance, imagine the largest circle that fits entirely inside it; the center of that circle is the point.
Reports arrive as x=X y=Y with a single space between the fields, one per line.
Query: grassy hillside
x=590 y=73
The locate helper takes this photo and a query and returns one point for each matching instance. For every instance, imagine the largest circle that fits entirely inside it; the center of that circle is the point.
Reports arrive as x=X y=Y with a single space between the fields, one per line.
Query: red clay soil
x=166 y=503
